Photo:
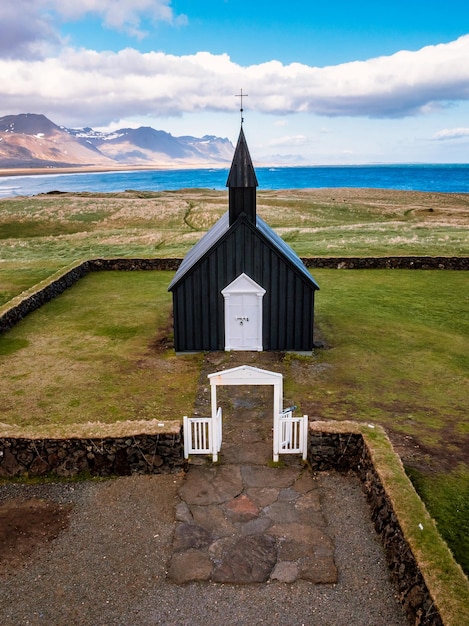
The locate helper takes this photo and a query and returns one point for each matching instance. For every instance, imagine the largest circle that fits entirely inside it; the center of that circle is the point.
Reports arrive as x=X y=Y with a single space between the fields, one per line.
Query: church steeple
x=242 y=183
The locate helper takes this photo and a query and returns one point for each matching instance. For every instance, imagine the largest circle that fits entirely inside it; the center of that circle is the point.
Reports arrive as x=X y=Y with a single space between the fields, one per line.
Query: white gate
x=290 y=435
x=203 y=435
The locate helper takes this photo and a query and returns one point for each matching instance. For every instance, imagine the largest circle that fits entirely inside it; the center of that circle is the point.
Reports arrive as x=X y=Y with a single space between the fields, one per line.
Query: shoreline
x=168 y=166
x=101 y=169
x=12 y=185
x=34 y=171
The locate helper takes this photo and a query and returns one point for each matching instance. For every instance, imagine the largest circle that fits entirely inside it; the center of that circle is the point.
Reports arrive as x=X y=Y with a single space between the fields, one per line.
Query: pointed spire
x=242 y=183
x=242 y=172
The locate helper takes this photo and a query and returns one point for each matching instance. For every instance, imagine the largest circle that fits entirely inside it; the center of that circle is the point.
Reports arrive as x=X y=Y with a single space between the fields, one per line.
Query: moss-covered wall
x=346 y=452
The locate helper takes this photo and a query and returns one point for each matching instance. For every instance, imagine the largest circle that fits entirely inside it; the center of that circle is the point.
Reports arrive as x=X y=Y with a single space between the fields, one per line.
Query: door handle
x=241 y=319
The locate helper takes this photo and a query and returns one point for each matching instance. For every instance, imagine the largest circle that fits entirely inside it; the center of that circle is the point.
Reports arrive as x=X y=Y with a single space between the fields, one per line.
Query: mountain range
x=30 y=140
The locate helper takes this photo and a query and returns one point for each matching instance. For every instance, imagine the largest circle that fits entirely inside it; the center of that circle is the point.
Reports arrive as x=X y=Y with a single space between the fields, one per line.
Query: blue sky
x=331 y=82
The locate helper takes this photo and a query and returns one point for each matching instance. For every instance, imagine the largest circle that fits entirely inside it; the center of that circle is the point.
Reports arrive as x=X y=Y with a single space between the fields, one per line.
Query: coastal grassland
x=15 y=279
x=368 y=222
x=41 y=234
x=93 y=355
x=50 y=231
x=398 y=355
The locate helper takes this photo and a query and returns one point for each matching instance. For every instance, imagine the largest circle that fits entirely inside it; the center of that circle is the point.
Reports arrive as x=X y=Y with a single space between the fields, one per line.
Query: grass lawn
x=93 y=355
x=398 y=352
x=398 y=355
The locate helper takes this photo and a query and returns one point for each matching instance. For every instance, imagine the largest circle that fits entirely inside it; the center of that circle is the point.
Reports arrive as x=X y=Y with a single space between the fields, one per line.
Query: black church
x=241 y=287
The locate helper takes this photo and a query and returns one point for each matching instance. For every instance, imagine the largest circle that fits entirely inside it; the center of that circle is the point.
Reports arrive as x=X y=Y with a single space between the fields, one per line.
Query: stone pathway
x=249 y=524
x=242 y=520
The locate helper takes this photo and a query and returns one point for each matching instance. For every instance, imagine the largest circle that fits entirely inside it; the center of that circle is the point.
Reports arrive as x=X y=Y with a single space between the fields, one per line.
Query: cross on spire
x=241 y=95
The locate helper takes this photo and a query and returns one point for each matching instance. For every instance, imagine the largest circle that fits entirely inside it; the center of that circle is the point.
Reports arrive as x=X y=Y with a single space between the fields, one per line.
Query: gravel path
x=109 y=566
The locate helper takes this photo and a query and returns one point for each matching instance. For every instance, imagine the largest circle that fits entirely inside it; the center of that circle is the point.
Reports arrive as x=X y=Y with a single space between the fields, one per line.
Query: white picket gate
x=203 y=435
x=290 y=435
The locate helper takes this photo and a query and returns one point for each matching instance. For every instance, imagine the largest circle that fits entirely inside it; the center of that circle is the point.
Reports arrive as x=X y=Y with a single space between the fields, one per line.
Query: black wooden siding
x=288 y=304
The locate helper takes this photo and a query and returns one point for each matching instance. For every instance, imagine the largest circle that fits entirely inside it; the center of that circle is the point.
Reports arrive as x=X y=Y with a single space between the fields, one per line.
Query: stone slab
x=189 y=566
x=249 y=560
x=267 y=530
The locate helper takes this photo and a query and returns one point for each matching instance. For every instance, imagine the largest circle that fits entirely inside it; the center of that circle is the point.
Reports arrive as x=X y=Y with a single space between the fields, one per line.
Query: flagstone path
x=244 y=520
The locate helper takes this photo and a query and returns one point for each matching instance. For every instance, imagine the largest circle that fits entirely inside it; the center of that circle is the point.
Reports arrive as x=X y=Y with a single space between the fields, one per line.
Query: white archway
x=248 y=375
x=203 y=435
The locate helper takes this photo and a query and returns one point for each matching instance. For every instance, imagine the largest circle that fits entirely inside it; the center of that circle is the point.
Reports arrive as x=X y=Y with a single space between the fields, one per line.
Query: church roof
x=242 y=175
x=242 y=172
x=286 y=250
x=204 y=244
x=219 y=229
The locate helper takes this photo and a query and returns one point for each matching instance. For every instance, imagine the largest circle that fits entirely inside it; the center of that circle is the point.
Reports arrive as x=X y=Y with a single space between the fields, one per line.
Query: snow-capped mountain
x=32 y=140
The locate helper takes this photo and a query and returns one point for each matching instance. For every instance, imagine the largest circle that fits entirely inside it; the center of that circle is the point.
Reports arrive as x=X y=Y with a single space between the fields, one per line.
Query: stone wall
x=370 y=263
x=348 y=452
x=97 y=265
x=161 y=453
x=389 y=263
x=22 y=305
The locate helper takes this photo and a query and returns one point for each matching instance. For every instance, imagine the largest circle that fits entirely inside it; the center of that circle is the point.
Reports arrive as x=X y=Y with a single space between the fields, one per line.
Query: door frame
x=243 y=285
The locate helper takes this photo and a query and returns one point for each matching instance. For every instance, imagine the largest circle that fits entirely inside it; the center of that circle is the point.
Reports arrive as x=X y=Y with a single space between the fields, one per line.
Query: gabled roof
x=220 y=228
x=286 y=250
x=245 y=375
x=204 y=244
x=242 y=172
x=243 y=284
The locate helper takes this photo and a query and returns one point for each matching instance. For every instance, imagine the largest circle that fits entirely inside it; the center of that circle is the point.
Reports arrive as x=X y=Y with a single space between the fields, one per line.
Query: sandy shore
x=77 y=169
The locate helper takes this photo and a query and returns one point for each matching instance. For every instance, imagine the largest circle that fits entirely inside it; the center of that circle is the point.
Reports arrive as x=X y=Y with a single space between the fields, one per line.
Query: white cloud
x=88 y=87
x=451 y=133
x=290 y=140
x=28 y=28
x=123 y=15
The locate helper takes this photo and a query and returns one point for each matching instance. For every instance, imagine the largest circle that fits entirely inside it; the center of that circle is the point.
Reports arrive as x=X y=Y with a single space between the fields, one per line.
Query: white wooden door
x=243 y=322
x=243 y=314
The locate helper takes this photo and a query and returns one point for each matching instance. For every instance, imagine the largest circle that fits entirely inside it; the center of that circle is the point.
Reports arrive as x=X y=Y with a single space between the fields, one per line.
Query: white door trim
x=240 y=291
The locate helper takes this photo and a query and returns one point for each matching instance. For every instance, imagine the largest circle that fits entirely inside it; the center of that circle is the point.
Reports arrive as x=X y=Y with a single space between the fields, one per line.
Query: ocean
x=431 y=178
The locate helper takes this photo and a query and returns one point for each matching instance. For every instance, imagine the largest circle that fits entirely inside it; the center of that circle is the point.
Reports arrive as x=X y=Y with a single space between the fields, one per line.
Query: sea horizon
x=424 y=177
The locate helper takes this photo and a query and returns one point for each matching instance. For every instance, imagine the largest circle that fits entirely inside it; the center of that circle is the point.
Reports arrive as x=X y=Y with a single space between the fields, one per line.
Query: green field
x=398 y=355
x=397 y=342
x=93 y=355
x=41 y=234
